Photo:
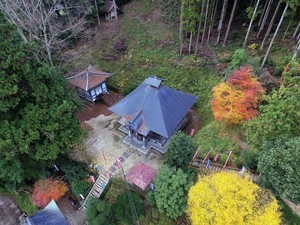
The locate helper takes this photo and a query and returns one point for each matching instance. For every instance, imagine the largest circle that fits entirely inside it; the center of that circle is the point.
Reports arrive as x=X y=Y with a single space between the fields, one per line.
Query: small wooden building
x=90 y=83
x=111 y=10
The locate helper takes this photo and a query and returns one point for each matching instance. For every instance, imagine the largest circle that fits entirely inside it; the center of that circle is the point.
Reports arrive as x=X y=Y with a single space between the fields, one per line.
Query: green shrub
x=180 y=150
x=250 y=159
x=223 y=159
x=122 y=209
x=99 y=212
x=73 y=171
x=238 y=59
x=212 y=155
x=79 y=187
x=237 y=162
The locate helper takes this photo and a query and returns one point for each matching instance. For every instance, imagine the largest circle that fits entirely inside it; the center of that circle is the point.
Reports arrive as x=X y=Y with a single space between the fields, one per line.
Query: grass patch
x=116 y=187
x=216 y=136
x=289 y=217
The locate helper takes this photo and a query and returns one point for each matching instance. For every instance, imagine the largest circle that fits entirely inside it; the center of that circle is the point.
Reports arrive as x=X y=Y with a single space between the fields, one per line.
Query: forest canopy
x=37 y=111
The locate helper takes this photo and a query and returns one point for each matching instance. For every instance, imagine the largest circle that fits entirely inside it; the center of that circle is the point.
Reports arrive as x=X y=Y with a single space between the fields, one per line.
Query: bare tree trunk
x=212 y=18
x=48 y=49
x=250 y=25
x=270 y=26
x=262 y=13
x=265 y=18
x=68 y=13
x=205 y=22
x=224 y=8
x=274 y=36
x=97 y=12
x=115 y=9
x=180 y=28
x=191 y=41
x=296 y=30
x=285 y=32
x=230 y=21
x=199 y=27
x=297 y=50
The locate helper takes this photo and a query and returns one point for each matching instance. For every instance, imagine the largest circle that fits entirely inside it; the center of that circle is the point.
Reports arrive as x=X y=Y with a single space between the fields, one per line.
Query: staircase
x=100 y=183
x=96 y=190
x=218 y=168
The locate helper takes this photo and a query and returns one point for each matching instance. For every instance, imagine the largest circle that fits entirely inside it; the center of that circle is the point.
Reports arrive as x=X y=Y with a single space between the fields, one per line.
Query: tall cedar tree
x=36 y=111
x=279 y=166
x=237 y=99
x=48 y=189
x=281 y=115
x=171 y=187
x=226 y=199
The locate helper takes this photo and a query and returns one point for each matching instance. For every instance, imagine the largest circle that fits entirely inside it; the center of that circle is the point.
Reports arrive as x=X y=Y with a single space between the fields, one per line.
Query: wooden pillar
x=144 y=142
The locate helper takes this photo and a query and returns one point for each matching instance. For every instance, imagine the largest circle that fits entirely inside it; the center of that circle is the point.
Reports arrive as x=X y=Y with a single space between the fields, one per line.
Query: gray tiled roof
x=50 y=215
x=155 y=107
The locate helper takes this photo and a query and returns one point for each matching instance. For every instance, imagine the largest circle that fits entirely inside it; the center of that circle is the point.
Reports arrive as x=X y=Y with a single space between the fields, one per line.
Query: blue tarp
x=50 y=215
x=154 y=107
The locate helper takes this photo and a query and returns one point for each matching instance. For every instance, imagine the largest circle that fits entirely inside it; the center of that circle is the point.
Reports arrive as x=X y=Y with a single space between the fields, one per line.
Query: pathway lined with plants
x=103 y=178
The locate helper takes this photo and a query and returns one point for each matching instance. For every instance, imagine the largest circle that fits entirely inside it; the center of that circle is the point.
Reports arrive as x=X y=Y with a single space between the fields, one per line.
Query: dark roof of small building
x=50 y=215
x=109 y=6
x=154 y=107
x=89 y=78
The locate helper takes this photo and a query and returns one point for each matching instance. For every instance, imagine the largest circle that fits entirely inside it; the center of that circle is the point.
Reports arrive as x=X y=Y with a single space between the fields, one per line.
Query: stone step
x=97 y=188
x=104 y=178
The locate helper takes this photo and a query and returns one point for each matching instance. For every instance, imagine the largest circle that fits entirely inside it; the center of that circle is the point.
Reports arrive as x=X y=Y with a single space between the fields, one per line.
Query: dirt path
x=9 y=211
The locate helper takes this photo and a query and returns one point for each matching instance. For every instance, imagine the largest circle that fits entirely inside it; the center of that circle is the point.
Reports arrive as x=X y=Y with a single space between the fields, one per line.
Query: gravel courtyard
x=104 y=144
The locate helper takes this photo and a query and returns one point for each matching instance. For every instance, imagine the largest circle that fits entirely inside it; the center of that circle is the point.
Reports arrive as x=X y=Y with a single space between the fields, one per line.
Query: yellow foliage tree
x=228 y=199
x=226 y=98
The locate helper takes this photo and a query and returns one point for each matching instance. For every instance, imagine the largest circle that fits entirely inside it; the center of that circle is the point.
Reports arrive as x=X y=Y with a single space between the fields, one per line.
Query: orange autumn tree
x=237 y=99
x=47 y=189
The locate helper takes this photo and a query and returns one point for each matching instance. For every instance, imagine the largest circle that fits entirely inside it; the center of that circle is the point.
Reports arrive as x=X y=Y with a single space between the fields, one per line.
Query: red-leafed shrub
x=237 y=99
x=47 y=189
